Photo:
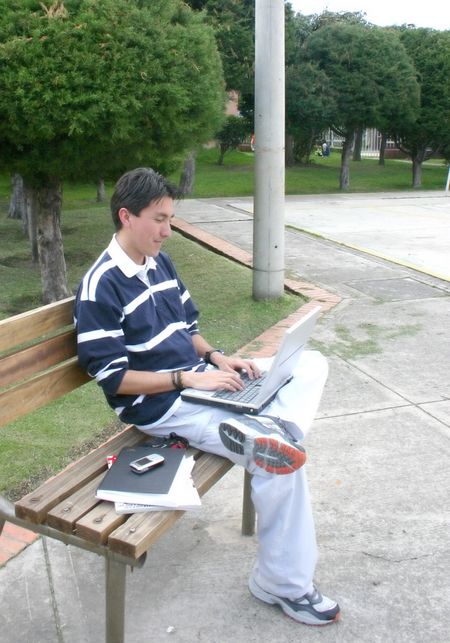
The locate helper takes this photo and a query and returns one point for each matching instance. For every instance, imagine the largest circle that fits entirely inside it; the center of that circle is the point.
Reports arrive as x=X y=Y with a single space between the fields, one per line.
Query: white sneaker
x=263 y=440
x=311 y=609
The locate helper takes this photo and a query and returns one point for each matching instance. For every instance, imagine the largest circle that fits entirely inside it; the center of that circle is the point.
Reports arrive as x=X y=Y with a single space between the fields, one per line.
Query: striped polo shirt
x=135 y=317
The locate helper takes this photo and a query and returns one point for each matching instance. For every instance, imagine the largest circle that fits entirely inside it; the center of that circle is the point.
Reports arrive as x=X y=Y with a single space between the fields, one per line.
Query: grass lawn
x=72 y=425
x=235 y=177
x=35 y=446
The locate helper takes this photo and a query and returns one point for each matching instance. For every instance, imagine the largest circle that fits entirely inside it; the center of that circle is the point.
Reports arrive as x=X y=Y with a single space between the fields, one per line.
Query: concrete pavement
x=411 y=229
x=378 y=456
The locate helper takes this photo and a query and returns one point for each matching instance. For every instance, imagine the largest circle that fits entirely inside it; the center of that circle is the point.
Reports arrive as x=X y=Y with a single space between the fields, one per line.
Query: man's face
x=143 y=235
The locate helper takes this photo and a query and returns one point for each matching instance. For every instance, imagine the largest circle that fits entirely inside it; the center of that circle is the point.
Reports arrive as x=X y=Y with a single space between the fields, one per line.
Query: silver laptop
x=258 y=393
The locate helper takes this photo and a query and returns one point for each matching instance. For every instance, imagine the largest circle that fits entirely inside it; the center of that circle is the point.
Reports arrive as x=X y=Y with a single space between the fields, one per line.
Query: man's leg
x=287 y=545
x=299 y=400
x=287 y=550
x=266 y=438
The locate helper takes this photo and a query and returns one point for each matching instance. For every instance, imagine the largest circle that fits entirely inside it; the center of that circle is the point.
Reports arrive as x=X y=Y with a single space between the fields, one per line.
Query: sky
x=430 y=13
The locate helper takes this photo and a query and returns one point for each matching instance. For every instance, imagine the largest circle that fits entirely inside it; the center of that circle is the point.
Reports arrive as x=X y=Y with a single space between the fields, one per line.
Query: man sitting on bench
x=138 y=336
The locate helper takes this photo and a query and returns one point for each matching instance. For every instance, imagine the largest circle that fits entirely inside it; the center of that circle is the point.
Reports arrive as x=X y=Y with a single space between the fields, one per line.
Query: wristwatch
x=209 y=353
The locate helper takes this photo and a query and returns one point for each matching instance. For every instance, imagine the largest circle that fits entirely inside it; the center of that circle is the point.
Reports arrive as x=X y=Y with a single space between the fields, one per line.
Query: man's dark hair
x=136 y=189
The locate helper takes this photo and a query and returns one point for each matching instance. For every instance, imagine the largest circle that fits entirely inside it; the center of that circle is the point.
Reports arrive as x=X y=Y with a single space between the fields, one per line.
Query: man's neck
x=137 y=258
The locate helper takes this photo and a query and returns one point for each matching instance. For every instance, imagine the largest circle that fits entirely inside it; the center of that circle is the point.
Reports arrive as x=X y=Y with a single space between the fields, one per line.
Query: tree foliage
x=233 y=22
x=89 y=88
x=430 y=132
x=310 y=105
x=234 y=26
x=108 y=83
x=370 y=74
x=309 y=96
x=232 y=134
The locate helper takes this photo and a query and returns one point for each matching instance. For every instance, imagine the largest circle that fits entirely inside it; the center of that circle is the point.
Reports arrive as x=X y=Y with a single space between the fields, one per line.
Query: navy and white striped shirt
x=135 y=317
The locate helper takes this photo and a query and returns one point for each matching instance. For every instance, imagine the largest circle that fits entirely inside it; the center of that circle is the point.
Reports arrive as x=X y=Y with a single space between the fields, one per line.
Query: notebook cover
x=121 y=479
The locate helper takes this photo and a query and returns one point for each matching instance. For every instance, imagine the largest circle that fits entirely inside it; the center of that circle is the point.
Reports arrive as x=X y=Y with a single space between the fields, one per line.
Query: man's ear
x=124 y=217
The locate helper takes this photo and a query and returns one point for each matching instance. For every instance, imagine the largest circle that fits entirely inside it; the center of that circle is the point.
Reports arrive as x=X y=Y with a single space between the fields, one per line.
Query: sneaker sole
x=306 y=618
x=270 y=454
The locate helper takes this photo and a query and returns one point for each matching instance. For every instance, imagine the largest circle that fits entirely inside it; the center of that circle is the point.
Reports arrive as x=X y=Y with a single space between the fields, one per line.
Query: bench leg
x=248 y=510
x=115 y=600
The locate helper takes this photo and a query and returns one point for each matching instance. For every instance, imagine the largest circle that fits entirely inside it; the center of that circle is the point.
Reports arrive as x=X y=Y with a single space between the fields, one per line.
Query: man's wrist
x=177 y=380
x=210 y=353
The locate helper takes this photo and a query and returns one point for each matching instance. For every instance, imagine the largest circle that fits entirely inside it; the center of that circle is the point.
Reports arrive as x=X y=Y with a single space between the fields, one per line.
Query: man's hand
x=229 y=364
x=225 y=377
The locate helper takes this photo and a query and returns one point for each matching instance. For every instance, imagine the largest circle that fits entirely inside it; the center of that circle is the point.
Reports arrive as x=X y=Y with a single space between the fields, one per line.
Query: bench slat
x=36 y=505
x=140 y=531
x=37 y=358
x=40 y=390
x=208 y=470
x=96 y=525
x=32 y=324
x=65 y=514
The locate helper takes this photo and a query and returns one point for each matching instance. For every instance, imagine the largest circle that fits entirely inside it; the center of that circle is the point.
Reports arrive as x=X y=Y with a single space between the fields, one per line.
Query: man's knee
x=313 y=364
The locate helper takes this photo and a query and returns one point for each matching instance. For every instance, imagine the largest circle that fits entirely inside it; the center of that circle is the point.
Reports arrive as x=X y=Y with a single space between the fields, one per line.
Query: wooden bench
x=38 y=364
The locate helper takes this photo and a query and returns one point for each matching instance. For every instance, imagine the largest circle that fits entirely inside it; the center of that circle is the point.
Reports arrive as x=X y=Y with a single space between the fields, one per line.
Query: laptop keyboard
x=248 y=394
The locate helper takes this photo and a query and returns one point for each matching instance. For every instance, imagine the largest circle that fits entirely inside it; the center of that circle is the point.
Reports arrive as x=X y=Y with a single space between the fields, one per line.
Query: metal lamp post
x=268 y=224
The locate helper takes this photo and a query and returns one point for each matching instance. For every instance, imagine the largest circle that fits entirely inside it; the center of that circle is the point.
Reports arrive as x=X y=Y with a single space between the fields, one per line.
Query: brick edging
x=13 y=540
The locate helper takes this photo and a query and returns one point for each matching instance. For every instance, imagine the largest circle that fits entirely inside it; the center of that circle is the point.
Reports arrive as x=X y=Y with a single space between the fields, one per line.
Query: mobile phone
x=147 y=462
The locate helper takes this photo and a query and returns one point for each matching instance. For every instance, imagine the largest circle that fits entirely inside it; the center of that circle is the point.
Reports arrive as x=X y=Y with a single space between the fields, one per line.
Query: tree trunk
x=289 y=158
x=310 y=148
x=31 y=221
x=51 y=253
x=382 y=148
x=344 y=180
x=187 y=178
x=22 y=205
x=358 y=144
x=101 y=195
x=222 y=151
x=416 y=172
x=17 y=200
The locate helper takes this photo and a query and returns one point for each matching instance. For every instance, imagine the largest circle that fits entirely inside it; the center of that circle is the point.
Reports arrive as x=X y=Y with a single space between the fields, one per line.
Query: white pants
x=287 y=550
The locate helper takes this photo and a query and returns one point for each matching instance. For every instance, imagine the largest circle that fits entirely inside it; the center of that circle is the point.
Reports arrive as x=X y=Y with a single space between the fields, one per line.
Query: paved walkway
x=411 y=229
x=379 y=454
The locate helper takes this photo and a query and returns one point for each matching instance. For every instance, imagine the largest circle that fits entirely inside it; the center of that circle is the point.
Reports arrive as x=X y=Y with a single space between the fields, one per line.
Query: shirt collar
x=125 y=263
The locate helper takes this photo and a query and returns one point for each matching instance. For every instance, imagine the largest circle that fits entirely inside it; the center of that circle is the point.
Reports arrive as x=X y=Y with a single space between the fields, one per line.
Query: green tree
x=90 y=88
x=233 y=133
x=430 y=133
x=310 y=105
x=367 y=68
x=233 y=22
x=309 y=96
x=310 y=100
x=234 y=26
x=331 y=17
